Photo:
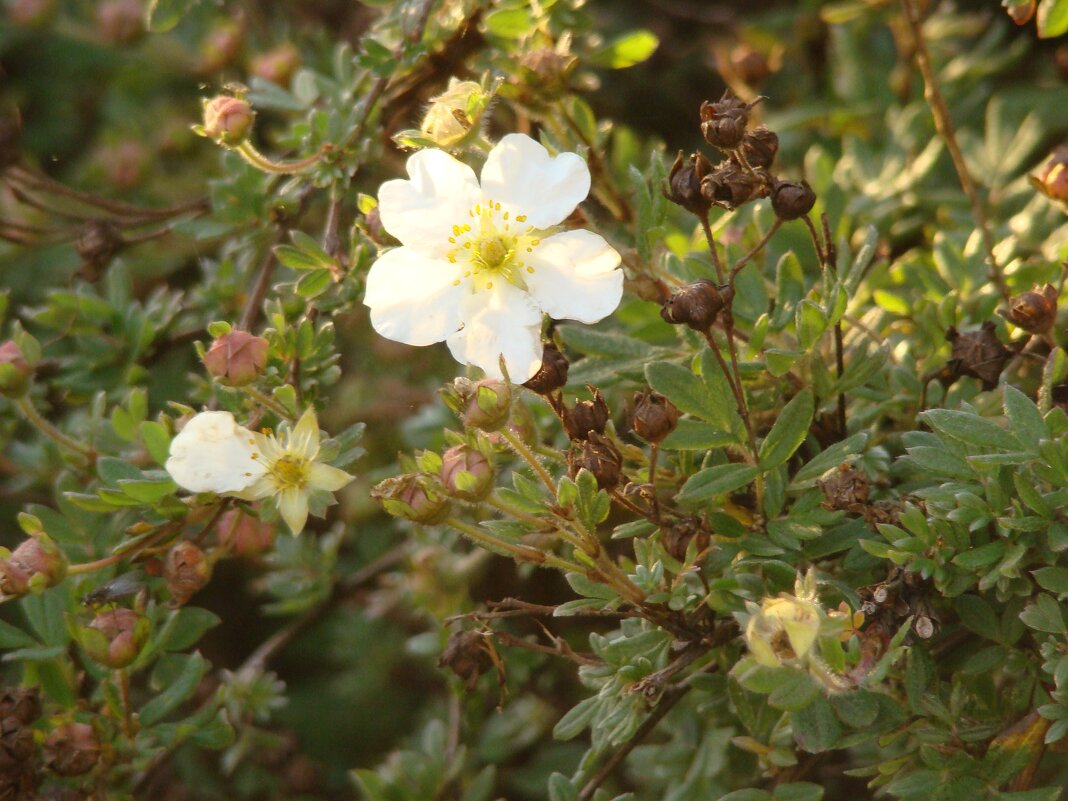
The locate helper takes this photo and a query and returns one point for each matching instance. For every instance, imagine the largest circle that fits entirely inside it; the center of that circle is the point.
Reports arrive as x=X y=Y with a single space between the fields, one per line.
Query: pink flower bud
x=116 y=637
x=15 y=371
x=412 y=497
x=120 y=21
x=237 y=357
x=227 y=120
x=187 y=570
x=466 y=473
x=245 y=535
x=277 y=65
x=35 y=565
x=488 y=405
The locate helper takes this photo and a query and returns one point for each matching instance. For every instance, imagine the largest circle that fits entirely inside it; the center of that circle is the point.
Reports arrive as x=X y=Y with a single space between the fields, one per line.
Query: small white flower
x=215 y=454
x=481 y=263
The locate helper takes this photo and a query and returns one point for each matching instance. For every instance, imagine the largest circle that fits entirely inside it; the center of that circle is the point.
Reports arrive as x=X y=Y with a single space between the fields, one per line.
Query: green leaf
x=111 y=470
x=14 y=637
x=1044 y=615
x=712 y=481
x=162 y=15
x=752 y=794
x=857 y=709
x=1052 y=18
x=971 y=428
x=696 y=435
x=978 y=615
x=185 y=628
x=831 y=457
x=314 y=283
x=561 y=788
x=1024 y=418
x=788 y=432
x=796 y=691
x=1054 y=579
x=626 y=51
x=176 y=692
x=811 y=323
x=798 y=791
x=686 y=390
x=147 y=491
x=816 y=727
x=510 y=23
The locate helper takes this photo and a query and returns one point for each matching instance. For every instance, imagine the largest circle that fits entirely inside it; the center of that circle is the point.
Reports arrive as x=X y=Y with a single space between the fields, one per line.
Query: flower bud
x=792 y=199
x=749 y=64
x=1053 y=180
x=98 y=243
x=115 y=638
x=71 y=749
x=221 y=46
x=245 y=535
x=760 y=147
x=845 y=490
x=784 y=630
x=125 y=163
x=237 y=357
x=23 y=704
x=120 y=22
x=684 y=183
x=467 y=655
x=32 y=13
x=187 y=569
x=600 y=457
x=547 y=71
x=412 y=497
x=1034 y=311
x=677 y=536
x=454 y=113
x=731 y=186
x=586 y=417
x=1021 y=13
x=697 y=305
x=467 y=473
x=227 y=120
x=723 y=124
x=487 y=404
x=654 y=416
x=278 y=65
x=552 y=375
x=35 y=565
x=15 y=371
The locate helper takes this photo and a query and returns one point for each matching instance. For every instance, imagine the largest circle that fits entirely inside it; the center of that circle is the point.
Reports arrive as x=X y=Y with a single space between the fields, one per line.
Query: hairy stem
x=528 y=456
x=29 y=411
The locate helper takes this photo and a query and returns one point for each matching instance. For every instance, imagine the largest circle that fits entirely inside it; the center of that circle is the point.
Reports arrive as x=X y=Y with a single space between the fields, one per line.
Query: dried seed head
x=586 y=417
x=845 y=490
x=654 y=415
x=71 y=749
x=723 y=124
x=697 y=305
x=683 y=186
x=760 y=147
x=467 y=655
x=98 y=243
x=730 y=185
x=1034 y=311
x=21 y=703
x=598 y=455
x=237 y=357
x=412 y=497
x=792 y=199
x=16 y=747
x=1021 y=13
x=552 y=375
x=187 y=570
x=749 y=64
x=978 y=354
x=677 y=536
x=467 y=473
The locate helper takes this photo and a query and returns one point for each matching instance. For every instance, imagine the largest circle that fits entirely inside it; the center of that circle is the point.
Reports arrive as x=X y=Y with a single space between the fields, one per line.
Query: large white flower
x=214 y=454
x=479 y=264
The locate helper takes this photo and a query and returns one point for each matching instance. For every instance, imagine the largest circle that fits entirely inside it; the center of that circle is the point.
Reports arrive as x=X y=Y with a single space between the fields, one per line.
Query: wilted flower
x=187 y=570
x=245 y=535
x=598 y=455
x=481 y=264
x=586 y=417
x=697 y=305
x=723 y=123
x=792 y=199
x=683 y=186
x=552 y=375
x=454 y=113
x=731 y=186
x=760 y=147
x=784 y=630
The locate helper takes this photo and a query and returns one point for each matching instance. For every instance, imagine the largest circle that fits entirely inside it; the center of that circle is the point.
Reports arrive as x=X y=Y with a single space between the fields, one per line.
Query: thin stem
x=737 y=268
x=654 y=456
x=259 y=288
x=712 y=248
x=823 y=253
x=123 y=681
x=99 y=564
x=521 y=553
x=29 y=411
x=267 y=402
x=527 y=455
x=249 y=153
x=944 y=125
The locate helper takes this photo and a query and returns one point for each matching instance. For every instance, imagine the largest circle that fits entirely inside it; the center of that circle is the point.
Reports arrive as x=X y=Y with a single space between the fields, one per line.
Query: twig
x=944 y=126
x=260 y=286
x=749 y=256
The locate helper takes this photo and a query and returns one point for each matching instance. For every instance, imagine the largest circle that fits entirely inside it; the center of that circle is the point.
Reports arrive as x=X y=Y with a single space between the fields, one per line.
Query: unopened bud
x=1053 y=180
x=654 y=416
x=547 y=72
x=586 y=417
x=227 y=120
x=485 y=405
x=697 y=305
x=601 y=458
x=792 y=199
x=98 y=243
x=467 y=473
x=187 y=569
x=15 y=371
x=683 y=185
x=35 y=565
x=760 y=147
x=120 y=22
x=245 y=535
x=730 y=185
x=412 y=497
x=237 y=357
x=221 y=46
x=723 y=124
x=467 y=655
x=1034 y=311
x=454 y=113
x=115 y=638
x=278 y=65
x=552 y=375
x=32 y=13
x=71 y=749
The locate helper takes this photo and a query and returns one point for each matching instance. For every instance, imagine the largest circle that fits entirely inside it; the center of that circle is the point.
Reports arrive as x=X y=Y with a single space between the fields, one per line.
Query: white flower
x=481 y=263
x=215 y=454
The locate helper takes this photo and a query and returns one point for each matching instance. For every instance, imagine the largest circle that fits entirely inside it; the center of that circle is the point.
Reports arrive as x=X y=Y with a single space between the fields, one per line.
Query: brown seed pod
x=598 y=455
x=697 y=305
x=586 y=417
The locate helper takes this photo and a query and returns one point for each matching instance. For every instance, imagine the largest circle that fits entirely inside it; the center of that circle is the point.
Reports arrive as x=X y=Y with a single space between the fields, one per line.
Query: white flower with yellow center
x=480 y=263
x=215 y=454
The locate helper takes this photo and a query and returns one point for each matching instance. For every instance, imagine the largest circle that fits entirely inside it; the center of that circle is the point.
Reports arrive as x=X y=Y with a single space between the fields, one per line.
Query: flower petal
x=520 y=173
x=214 y=454
x=575 y=276
x=304 y=438
x=500 y=321
x=422 y=211
x=293 y=506
x=325 y=477
x=413 y=298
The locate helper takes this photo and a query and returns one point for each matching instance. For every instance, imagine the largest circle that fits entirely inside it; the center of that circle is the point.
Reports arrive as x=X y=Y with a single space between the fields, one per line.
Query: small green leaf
x=162 y=15
x=561 y=788
x=712 y=481
x=626 y=51
x=788 y=432
x=1054 y=579
x=1044 y=615
x=971 y=428
x=1024 y=418
x=510 y=23
x=183 y=686
x=1052 y=18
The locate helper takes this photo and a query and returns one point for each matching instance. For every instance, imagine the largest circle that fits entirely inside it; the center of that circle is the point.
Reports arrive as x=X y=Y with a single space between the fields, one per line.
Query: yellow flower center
x=290 y=472
x=493 y=244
